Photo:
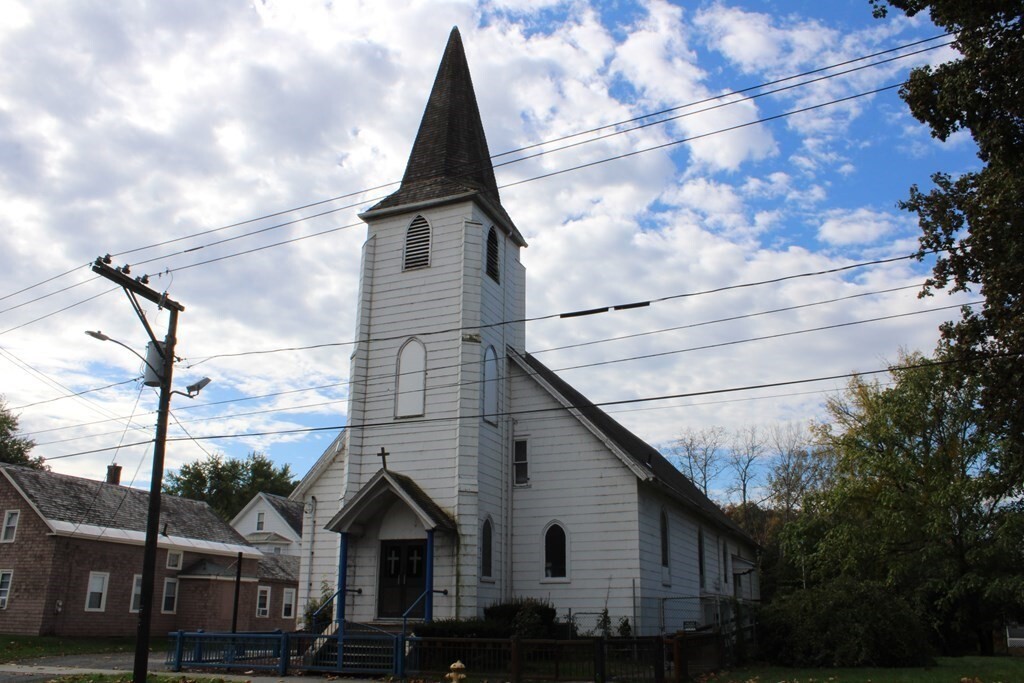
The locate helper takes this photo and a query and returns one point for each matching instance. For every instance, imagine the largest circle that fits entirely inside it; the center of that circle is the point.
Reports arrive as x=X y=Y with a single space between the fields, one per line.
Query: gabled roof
x=288 y=510
x=641 y=454
x=381 y=490
x=338 y=447
x=450 y=159
x=72 y=506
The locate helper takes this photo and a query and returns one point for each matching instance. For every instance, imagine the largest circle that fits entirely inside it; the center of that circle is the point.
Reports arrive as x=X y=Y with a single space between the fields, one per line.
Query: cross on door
x=393 y=560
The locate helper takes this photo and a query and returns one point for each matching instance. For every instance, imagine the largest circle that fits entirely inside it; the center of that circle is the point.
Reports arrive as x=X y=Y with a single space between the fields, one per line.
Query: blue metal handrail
x=329 y=602
x=405 y=616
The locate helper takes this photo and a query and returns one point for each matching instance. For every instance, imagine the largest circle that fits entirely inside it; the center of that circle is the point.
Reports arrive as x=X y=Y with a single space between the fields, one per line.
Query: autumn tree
x=915 y=503
x=973 y=221
x=15 y=449
x=698 y=453
x=228 y=484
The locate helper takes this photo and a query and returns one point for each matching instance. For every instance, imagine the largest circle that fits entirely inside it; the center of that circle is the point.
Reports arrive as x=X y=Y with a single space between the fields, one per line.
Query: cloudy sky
x=225 y=148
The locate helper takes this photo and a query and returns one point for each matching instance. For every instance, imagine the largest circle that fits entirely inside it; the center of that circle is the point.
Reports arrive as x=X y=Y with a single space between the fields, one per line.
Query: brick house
x=71 y=562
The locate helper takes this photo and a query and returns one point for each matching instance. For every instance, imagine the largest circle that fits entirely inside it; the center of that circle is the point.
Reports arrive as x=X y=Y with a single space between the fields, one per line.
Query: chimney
x=114 y=474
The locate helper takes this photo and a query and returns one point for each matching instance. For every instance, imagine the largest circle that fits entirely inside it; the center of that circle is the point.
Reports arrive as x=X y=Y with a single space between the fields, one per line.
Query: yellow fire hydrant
x=456 y=672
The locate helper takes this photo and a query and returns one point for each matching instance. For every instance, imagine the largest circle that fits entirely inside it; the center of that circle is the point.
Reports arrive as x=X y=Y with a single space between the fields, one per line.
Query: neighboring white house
x=271 y=523
x=470 y=467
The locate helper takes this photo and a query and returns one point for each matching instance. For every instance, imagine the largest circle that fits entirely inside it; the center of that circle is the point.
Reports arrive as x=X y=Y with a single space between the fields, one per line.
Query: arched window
x=411 y=379
x=493 y=262
x=486 y=549
x=555 y=552
x=491 y=385
x=664 y=540
x=417 y=244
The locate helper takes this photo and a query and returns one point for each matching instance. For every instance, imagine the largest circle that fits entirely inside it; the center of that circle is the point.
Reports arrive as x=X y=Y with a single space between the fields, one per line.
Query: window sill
x=556 y=579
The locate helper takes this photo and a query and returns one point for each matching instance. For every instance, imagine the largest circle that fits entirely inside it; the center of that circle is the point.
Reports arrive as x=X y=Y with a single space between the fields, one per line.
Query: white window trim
x=136 y=584
x=543 y=554
x=180 y=554
x=4 y=599
x=261 y=590
x=8 y=514
x=525 y=438
x=261 y=520
x=285 y=601
x=103 y=593
x=486 y=578
x=163 y=597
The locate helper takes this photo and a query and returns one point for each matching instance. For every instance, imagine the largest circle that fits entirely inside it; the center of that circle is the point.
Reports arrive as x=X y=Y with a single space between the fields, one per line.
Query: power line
x=77 y=393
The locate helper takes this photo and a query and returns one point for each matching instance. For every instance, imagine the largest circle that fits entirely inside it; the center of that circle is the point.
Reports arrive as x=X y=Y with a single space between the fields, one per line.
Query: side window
x=263 y=601
x=555 y=555
x=700 y=556
x=486 y=549
x=664 y=540
x=725 y=562
x=288 y=603
x=417 y=244
x=491 y=385
x=10 y=526
x=170 y=601
x=6 y=577
x=520 y=465
x=136 y=603
x=96 y=594
x=411 y=379
x=261 y=519
x=174 y=559
x=493 y=259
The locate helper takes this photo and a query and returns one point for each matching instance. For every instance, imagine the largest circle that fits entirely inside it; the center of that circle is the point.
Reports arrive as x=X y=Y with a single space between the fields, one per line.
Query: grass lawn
x=946 y=670
x=16 y=648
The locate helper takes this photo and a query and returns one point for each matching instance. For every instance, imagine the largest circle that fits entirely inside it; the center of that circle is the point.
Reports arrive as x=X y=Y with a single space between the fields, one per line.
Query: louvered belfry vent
x=417 y=244
x=492 y=256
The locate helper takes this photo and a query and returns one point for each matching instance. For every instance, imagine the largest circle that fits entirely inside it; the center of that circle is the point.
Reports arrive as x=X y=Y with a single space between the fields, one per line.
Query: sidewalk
x=121 y=664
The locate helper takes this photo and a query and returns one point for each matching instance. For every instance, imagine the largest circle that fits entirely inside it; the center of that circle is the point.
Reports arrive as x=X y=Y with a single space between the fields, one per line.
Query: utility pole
x=137 y=287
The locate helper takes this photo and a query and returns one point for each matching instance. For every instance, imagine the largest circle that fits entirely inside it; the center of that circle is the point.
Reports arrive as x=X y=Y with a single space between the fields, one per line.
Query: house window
x=170 y=601
x=486 y=549
x=10 y=526
x=491 y=385
x=520 y=466
x=136 y=604
x=555 y=552
x=263 y=601
x=6 y=576
x=417 y=244
x=96 y=595
x=700 y=556
x=493 y=269
x=664 y=539
x=411 y=379
x=261 y=518
x=174 y=559
x=725 y=562
x=288 y=604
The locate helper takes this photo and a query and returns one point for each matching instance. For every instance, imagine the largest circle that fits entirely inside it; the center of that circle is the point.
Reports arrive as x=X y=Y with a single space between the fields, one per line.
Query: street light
x=160 y=356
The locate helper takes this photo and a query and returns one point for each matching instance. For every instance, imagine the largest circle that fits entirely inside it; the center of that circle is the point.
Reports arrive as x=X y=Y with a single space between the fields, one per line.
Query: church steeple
x=450 y=155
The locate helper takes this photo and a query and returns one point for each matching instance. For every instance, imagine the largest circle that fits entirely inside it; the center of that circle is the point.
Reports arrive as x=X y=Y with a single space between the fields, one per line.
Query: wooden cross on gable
x=383 y=455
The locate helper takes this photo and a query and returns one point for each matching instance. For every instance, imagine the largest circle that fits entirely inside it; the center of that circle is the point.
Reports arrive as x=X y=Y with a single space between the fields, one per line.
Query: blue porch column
x=342 y=582
x=428 y=608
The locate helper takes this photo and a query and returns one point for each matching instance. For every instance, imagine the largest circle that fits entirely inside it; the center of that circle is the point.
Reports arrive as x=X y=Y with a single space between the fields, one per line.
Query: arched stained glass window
x=555 y=555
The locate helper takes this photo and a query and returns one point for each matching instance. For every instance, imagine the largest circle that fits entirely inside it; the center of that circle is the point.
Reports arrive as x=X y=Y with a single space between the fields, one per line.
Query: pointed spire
x=450 y=155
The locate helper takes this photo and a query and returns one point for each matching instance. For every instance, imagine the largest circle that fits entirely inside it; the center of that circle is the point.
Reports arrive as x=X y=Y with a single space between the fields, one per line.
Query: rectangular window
x=96 y=595
x=261 y=518
x=263 y=601
x=700 y=556
x=174 y=559
x=136 y=604
x=520 y=466
x=169 y=605
x=725 y=563
x=288 y=603
x=6 y=576
x=10 y=526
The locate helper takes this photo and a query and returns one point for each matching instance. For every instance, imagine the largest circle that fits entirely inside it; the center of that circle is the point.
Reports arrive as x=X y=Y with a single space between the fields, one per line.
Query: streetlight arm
x=102 y=337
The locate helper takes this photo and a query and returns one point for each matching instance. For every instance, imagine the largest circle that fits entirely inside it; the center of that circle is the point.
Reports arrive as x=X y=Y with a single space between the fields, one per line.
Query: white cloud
x=861 y=226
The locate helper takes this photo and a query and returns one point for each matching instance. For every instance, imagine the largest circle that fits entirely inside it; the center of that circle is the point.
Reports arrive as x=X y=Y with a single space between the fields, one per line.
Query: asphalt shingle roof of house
x=290 y=510
x=63 y=498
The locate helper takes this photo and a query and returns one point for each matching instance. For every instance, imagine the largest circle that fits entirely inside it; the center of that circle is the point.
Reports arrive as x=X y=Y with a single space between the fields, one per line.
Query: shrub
x=463 y=628
x=525 y=617
x=843 y=623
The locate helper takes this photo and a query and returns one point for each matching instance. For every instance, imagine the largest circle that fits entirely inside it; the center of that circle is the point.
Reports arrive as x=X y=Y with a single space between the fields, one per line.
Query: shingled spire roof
x=450 y=155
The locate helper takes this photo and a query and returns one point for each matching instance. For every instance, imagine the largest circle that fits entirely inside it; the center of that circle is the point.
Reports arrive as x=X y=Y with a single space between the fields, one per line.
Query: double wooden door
x=402 y=580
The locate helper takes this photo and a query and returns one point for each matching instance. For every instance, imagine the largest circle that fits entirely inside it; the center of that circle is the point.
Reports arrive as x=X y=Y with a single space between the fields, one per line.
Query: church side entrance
x=402 y=578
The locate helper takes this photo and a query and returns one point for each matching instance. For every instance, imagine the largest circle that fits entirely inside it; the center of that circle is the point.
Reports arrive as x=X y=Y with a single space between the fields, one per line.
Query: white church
x=471 y=474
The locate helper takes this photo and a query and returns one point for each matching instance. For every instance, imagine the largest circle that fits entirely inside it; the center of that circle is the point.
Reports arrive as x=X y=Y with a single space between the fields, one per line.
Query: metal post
x=153 y=519
x=428 y=608
x=238 y=586
x=339 y=609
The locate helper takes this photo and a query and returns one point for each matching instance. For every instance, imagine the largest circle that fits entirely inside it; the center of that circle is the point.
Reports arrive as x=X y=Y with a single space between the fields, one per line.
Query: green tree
x=15 y=449
x=915 y=503
x=227 y=484
x=974 y=221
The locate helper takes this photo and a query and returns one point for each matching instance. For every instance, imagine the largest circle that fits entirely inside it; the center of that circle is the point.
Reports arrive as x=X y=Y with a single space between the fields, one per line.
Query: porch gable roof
x=376 y=492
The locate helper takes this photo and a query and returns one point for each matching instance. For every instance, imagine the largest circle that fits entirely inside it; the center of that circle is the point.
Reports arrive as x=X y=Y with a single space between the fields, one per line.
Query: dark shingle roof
x=450 y=155
x=64 y=498
x=279 y=568
x=290 y=510
x=642 y=453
